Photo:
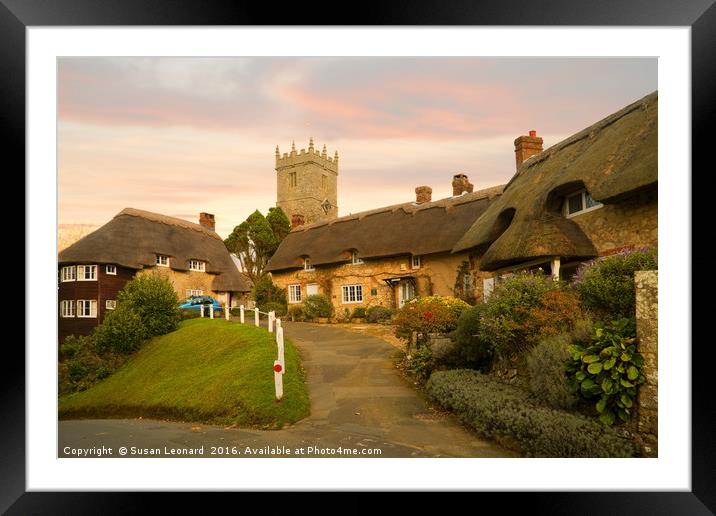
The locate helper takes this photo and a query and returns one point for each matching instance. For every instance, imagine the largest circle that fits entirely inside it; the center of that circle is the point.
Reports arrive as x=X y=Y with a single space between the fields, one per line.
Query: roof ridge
x=166 y=219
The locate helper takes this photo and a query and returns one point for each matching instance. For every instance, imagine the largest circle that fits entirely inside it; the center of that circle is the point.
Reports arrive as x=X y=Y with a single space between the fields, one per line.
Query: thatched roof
x=134 y=237
x=408 y=228
x=612 y=159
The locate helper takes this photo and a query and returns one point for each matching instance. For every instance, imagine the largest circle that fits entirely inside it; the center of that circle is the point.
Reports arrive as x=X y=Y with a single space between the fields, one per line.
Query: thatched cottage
x=95 y=268
x=591 y=195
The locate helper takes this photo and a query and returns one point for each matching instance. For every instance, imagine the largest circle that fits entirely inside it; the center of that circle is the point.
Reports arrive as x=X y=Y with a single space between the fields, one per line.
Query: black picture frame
x=700 y=15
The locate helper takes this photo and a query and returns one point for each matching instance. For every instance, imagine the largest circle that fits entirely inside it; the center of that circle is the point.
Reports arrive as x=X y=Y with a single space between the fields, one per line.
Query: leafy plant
x=547 y=376
x=151 y=297
x=471 y=350
x=359 y=313
x=317 y=305
x=608 y=369
x=421 y=363
x=279 y=308
x=295 y=313
x=432 y=314
x=264 y=292
x=122 y=331
x=376 y=314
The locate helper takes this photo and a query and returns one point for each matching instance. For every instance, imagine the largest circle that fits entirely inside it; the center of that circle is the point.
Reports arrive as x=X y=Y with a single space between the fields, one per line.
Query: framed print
x=304 y=258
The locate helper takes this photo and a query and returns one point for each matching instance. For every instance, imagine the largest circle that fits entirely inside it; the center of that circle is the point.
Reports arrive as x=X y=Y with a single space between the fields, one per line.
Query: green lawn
x=213 y=371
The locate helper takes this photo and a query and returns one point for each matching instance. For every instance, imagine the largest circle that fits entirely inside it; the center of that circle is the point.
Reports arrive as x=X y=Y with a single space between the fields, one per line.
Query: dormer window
x=162 y=260
x=579 y=202
x=355 y=259
x=307 y=265
x=415 y=262
x=197 y=265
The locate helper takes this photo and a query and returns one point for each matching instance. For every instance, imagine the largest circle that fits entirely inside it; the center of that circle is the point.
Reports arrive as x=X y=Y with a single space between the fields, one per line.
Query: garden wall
x=646 y=283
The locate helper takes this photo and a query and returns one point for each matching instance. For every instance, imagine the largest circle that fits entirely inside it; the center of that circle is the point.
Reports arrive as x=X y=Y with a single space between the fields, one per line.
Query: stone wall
x=183 y=280
x=647 y=309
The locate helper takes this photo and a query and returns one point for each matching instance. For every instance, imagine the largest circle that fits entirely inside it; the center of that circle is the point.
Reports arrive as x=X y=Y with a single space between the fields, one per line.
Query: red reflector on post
x=277 y=368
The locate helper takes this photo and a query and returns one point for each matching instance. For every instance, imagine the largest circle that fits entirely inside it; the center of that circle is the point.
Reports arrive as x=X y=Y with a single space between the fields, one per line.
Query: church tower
x=307 y=185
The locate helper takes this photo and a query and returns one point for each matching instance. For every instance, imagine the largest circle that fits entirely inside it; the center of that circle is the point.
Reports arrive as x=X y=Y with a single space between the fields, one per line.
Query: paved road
x=360 y=406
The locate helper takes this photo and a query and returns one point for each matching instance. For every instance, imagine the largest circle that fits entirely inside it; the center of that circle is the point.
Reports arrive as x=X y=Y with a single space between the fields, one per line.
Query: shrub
x=471 y=351
x=75 y=345
x=295 y=313
x=547 y=373
x=279 y=308
x=82 y=365
x=153 y=299
x=359 y=313
x=608 y=368
x=606 y=285
x=190 y=314
x=497 y=410
x=122 y=331
x=317 y=305
x=376 y=314
x=421 y=363
x=432 y=314
x=344 y=316
x=265 y=292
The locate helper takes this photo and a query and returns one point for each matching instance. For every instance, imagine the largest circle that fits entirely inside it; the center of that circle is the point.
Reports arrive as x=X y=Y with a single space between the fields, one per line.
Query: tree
x=152 y=297
x=256 y=239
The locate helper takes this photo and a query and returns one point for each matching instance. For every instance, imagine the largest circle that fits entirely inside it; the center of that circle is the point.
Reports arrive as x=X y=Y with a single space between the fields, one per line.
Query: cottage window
x=69 y=273
x=579 y=202
x=416 y=262
x=111 y=269
x=197 y=265
x=307 y=265
x=86 y=273
x=352 y=293
x=162 y=260
x=86 y=308
x=67 y=308
x=355 y=260
x=294 y=293
x=110 y=304
x=192 y=292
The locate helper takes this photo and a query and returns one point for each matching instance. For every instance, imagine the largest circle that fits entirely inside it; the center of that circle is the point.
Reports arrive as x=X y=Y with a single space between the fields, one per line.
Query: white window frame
x=65 y=275
x=111 y=269
x=294 y=293
x=81 y=277
x=416 y=262
x=307 y=265
x=194 y=292
x=93 y=308
x=197 y=266
x=158 y=260
x=110 y=304
x=346 y=294
x=355 y=259
x=68 y=308
x=583 y=194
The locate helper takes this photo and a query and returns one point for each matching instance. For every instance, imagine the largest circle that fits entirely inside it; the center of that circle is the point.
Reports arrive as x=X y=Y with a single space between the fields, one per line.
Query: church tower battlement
x=307 y=184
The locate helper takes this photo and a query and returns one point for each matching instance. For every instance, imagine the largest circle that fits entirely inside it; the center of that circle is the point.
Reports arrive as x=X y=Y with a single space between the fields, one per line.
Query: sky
x=179 y=136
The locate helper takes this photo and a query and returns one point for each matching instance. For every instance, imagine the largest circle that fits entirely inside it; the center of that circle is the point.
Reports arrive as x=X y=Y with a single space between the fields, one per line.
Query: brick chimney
x=297 y=220
x=461 y=185
x=526 y=147
x=423 y=194
x=207 y=220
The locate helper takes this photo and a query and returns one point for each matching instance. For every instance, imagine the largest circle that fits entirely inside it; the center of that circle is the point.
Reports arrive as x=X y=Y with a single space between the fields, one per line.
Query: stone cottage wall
x=647 y=309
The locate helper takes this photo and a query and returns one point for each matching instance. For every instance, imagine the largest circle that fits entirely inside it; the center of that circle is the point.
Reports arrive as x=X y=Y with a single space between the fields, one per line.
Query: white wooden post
x=227 y=311
x=555 y=268
x=201 y=307
x=278 y=324
x=279 y=345
x=241 y=310
x=279 y=365
x=256 y=315
x=211 y=310
x=271 y=319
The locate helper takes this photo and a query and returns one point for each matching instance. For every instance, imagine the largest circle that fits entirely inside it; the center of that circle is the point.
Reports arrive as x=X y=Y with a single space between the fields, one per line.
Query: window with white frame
x=86 y=273
x=162 y=260
x=307 y=265
x=197 y=265
x=67 y=308
x=352 y=293
x=355 y=259
x=579 y=202
x=415 y=262
x=294 y=293
x=190 y=292
x=110 y=304
x=86 y=308
x=69 y=273
x=111 y=269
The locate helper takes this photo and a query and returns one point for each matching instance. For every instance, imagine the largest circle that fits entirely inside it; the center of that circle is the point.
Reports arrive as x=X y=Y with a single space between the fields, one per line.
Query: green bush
x=82 y=365
x=359 y=313
x=75 y=345
x=498 y=410
x=153 y=299
x=265 y=292
x=470 y=350
x=432 y=314
x=421 y=363
x=189 y=314
x=606 y=285
x=547 y=373
x=122 y=331
x=295 y=313
x=317 y=305
x=608 y=368
x=279 y=308
x=376 y=314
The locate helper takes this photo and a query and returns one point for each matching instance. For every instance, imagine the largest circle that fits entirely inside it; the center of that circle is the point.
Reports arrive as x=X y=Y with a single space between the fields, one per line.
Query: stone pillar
x=646 y=283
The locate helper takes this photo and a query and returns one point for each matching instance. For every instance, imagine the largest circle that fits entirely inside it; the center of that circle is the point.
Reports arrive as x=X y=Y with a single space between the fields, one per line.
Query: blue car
x=196 y=302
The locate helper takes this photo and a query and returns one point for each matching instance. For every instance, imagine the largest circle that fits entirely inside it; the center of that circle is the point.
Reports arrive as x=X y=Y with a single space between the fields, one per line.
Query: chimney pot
x=460 y=184
x=297 y=220
x=533 y=133
x=423 y=194
x=526 y=147
x=207 y=220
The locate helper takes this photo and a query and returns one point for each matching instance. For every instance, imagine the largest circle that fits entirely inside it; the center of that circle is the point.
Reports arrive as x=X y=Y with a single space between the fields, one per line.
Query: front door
x=406 y=292
x=311 y=289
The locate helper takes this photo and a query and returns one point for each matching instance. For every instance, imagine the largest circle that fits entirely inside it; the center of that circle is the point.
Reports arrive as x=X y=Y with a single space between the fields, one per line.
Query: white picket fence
x=274 y=326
